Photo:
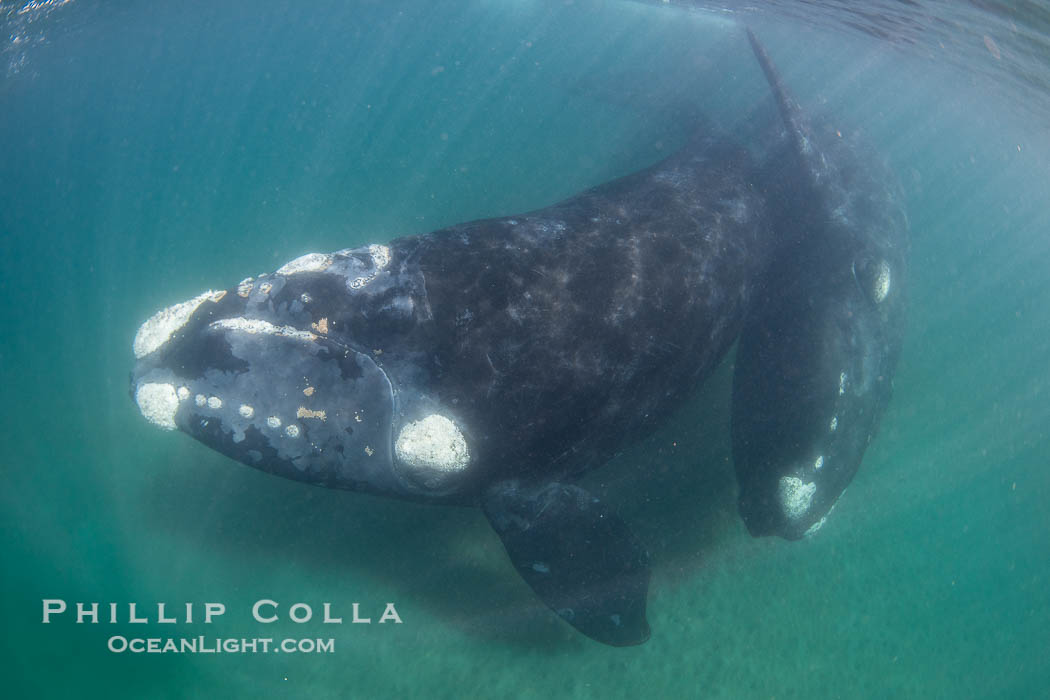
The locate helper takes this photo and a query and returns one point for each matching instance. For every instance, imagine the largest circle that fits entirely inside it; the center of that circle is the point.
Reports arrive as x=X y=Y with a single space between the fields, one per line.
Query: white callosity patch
x=156 y=331
x=842 y=383
x=880 y=288
x=834 y=424
x=201 y=400
x=819 y=463
x=214 y=403
x=244 y=288
x=433 y=443
x=158 y=404
x=292 y=431
x=311 y=262
x=255 y=325
x=183 y=393
x=380 y=259
x=246 y=411
x=274 y=422
x=795 y=496
x=380 y=256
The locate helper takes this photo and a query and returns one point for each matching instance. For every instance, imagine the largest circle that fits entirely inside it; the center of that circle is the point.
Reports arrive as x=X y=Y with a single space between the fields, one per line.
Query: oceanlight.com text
x=218 y=645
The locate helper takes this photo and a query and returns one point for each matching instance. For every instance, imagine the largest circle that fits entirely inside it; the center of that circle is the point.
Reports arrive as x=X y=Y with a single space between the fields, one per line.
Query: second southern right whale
x=493 y=362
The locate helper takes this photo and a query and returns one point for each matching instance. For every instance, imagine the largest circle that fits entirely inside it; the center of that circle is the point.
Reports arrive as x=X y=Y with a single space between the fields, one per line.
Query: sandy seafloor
x=148 y=153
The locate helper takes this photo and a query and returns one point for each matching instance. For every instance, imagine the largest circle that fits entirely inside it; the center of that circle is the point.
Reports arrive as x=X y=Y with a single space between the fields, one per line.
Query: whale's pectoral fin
x=577 y=555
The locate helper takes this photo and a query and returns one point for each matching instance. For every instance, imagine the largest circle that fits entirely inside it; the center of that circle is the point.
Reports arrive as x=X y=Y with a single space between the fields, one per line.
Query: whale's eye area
x=434 y=448
x=874 y=277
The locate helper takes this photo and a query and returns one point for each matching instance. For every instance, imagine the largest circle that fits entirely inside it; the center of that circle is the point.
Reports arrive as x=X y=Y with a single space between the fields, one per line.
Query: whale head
x=280 y=373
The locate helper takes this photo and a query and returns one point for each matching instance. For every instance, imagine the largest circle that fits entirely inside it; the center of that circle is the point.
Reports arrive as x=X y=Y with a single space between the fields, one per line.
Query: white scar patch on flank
x=158 y=404
x=880 y=289
x=795 y=496
x=311 y=262
x=433 y=443
x=255 y=325
x=160 y=326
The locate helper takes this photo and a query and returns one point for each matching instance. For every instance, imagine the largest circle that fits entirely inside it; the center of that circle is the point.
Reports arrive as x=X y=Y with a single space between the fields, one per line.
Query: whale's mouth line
x=307 y=335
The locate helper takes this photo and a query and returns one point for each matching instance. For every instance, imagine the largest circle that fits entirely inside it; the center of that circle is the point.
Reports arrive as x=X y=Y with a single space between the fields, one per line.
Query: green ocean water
x=149 y=152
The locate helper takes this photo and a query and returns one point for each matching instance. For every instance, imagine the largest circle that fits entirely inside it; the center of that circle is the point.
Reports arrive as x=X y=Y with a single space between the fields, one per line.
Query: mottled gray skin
x=552 y=338
x=568 y=332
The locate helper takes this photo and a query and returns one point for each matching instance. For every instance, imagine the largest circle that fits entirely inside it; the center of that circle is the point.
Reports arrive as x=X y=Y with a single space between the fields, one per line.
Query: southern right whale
x=816 y=357
x=493 y=362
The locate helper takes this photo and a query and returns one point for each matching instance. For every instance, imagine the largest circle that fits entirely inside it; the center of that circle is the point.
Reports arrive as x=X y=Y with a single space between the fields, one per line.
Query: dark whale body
x=490 y=363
